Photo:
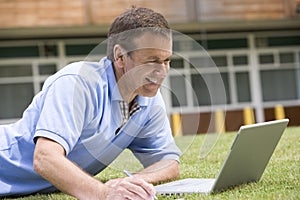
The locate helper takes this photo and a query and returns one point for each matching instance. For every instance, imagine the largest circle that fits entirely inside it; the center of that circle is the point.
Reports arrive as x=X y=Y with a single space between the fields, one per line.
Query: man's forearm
x=64 y=174
x=50 y=162
x=161 y=171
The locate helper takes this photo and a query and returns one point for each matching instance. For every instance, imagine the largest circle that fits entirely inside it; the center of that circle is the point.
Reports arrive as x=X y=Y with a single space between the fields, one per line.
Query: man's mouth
x=151 y=80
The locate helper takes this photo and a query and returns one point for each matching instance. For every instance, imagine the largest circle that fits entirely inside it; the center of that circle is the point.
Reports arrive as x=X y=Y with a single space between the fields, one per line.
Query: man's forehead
x=153 y=41
x=152 y=49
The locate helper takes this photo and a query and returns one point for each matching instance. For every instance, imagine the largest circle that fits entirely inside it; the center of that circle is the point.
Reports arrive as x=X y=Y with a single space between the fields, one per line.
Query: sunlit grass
x=281 y=179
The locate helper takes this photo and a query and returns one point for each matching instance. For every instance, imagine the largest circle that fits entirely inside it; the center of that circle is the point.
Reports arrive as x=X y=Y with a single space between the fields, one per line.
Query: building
x=255 y=45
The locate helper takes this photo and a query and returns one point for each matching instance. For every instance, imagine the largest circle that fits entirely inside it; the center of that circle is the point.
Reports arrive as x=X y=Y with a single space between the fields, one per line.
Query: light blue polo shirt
x=78 y=107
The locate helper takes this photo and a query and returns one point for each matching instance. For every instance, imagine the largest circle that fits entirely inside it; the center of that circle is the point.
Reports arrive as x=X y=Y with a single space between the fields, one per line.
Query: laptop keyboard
x=190 y=185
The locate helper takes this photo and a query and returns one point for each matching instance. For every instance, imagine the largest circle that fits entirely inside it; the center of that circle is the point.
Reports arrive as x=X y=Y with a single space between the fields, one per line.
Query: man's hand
x=164 y=170
x=51 y=163
x=130 y=188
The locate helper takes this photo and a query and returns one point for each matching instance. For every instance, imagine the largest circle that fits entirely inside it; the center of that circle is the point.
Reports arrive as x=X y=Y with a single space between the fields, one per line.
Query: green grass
x=281 y=179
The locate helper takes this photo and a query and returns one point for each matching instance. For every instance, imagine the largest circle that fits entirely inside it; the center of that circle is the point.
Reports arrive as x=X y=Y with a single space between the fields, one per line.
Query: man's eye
x=158 y=62
x=153 y=62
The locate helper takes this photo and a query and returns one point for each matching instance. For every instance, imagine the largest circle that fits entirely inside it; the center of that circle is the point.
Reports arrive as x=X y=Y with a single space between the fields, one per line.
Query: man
x=88 y=113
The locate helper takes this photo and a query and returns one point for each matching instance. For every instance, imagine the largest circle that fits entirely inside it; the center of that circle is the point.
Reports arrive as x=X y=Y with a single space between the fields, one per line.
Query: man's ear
x=118 y=56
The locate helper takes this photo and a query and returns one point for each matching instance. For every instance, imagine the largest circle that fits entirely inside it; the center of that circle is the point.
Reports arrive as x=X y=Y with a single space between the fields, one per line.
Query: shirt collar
x=111 y=80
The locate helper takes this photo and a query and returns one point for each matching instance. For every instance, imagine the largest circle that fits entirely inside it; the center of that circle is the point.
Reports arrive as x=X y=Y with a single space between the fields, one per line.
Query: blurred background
x=254 y=43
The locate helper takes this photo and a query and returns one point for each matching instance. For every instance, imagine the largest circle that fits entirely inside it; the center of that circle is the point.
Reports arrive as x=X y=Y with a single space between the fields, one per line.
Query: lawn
x=281 y=179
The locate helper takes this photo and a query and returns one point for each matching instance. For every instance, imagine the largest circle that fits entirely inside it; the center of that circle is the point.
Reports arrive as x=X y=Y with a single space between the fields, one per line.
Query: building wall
x=32 y=13
x=254 y=44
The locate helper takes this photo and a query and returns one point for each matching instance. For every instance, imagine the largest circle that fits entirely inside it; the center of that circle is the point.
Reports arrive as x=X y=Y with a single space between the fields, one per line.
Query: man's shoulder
x=88 y=71
x=85 y=67
x=80 y=68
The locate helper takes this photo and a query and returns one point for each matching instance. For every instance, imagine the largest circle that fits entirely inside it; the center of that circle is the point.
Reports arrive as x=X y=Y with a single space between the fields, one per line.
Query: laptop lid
x=249 y=154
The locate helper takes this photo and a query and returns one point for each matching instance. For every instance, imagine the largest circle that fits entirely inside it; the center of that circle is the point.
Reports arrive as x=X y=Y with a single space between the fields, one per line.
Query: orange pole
x=248 y=116
x=176 y=124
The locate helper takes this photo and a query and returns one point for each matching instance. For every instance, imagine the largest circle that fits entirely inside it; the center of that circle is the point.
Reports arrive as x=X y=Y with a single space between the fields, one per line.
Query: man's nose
x=161 y=70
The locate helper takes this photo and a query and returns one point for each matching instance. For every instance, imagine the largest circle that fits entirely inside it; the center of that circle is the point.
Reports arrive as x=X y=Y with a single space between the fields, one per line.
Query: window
x=201 y=91
x=266 y=58
x=85 y=49
x=47 y=69
x=177 y=63
x=194 y=80
x=220 y=61
x=15 y=70
x=48 y=50
x=19 y=51
x=243 y=87
x=178 y=91
x=201 y=62
x=227 y=43
x=287 y=57
x=209 y=89
x=17 y=98
x=278 y=85
x=240 y=60
x=284 y=41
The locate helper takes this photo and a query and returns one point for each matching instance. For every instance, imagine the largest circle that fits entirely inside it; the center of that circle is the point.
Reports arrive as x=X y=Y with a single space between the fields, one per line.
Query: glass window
x=178 y=91
x=208 y=91
x=47 y=69
x=287 y=57
x=15 y=71
x=199 y=45
x=225 y=79
x=176 y=45
x=177 y=63
x=279 y=85
x=83 y=49
x=201 y=62
x=240 y=60
x=261 y=42
x=266 y=58
x=243 y=87
x=284 y=41
x=220 y=61
x=201 y=90
x=15 y=98
x=49 y=50
x=20 y=51
x=227 y=43
x=100 y=49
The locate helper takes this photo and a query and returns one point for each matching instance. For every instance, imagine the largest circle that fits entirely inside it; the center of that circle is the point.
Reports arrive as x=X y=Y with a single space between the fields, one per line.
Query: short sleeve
x=155 y=142
x=64 y=111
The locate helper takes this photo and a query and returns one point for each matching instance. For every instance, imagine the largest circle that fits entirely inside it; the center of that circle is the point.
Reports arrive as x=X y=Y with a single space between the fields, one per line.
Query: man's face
x=146 y=67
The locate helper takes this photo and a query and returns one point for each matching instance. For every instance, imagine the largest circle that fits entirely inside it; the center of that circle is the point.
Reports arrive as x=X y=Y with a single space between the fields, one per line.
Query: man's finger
x=141 y=187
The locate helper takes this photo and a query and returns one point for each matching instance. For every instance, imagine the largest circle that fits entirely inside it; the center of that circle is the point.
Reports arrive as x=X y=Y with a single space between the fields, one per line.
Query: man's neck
x=124 y=87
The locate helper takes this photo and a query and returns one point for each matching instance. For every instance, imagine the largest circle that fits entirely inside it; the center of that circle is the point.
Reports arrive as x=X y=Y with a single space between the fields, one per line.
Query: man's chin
x=148 y=90
x=149 y=93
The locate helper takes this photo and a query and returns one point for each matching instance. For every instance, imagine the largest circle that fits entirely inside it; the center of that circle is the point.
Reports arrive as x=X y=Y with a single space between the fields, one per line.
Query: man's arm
x=161 y=171
x=164 y=170
x=51 y=163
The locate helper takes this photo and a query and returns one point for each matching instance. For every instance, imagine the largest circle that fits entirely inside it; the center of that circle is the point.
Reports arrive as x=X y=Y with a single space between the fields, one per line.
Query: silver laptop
x=246 y=161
